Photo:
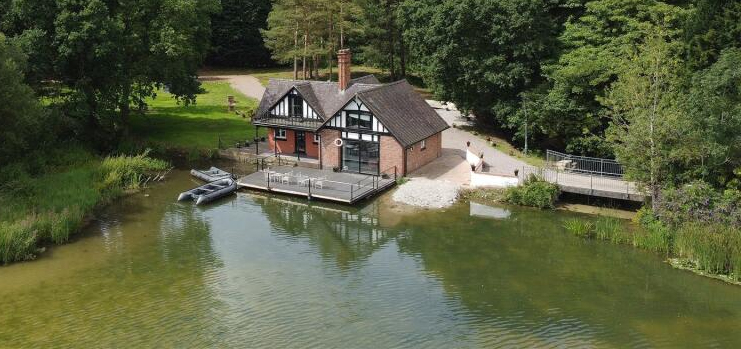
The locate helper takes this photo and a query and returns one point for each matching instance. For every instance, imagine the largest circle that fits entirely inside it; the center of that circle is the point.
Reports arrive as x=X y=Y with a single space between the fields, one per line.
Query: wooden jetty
x=342 y=187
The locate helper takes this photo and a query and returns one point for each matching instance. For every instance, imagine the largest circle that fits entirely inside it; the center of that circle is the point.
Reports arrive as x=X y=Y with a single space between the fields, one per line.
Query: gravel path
x=427 y=193
x=249 y=85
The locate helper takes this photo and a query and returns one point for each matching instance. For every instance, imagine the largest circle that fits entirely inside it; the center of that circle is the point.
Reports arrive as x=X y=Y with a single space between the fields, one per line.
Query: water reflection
x=523 y=280
x=341 y=233
x=270 y=271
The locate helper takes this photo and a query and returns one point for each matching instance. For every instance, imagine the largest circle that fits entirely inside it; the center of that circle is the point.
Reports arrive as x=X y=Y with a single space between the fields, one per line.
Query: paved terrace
x=341 y=187
x=454 y=141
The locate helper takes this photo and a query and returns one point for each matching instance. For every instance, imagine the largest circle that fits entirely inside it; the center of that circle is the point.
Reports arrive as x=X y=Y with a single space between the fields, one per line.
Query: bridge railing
x=580 y=181
x=583 y=164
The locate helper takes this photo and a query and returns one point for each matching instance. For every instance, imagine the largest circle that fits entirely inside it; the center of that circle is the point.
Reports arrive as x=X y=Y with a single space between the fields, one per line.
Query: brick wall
x=288 y=145
x=330 y=152
x=392 y=154
x=416 y=157
x=312 y=149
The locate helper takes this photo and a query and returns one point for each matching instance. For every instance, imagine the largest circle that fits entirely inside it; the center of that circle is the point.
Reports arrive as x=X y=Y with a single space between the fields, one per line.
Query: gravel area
x=427 y=193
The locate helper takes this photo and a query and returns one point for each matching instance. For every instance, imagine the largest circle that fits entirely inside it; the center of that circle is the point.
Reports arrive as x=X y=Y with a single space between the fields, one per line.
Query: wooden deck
x=341 y=187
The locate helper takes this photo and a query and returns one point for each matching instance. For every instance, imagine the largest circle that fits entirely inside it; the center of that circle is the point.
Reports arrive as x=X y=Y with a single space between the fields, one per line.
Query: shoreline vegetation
x=695 y=226
x=54 y=204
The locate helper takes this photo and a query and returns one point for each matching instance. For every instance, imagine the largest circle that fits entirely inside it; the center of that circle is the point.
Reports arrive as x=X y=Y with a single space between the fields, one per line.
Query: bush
x=699 y=202
x=534 y=192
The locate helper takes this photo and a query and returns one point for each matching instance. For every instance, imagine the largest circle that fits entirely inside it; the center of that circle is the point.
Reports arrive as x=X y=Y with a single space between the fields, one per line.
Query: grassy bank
x=46 y=207
x=198 y=127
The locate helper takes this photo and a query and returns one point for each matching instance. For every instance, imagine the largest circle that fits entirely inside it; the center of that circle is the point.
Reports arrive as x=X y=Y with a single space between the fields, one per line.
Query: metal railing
x=583 y=164
x=269 y=119
x=355 y=190
x=595 y=183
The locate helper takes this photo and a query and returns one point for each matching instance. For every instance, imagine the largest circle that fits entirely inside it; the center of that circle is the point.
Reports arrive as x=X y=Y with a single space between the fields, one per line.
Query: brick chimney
x=343 y=65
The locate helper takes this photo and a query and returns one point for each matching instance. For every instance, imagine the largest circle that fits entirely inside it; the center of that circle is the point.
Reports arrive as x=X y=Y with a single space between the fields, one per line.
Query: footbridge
x=585 y=175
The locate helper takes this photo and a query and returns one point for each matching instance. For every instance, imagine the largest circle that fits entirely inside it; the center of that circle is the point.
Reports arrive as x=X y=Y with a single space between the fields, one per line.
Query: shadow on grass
x=215 y=112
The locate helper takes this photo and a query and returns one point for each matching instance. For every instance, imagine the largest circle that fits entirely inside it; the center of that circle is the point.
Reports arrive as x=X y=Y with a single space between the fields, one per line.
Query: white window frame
x=280 y=133
x=423 y=144
x=316 y=138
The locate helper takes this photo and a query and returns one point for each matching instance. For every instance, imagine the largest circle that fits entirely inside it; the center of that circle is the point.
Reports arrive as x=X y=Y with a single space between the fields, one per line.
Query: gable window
x=280 y=133
x=295 y=106
x=359 y=119
x=423 y=145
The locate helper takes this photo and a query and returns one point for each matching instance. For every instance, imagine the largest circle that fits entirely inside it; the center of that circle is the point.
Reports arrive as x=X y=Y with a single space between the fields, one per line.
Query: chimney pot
x=343 y=65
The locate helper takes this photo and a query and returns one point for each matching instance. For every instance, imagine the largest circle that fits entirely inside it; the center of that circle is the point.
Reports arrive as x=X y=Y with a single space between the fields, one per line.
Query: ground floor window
x=360 y=156
x=316 y=138
x=423 y=145
x=280 y=133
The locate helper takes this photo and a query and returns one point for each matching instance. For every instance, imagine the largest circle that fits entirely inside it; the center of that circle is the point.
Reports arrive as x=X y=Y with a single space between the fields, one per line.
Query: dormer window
x=359 y=120
x=295 y=106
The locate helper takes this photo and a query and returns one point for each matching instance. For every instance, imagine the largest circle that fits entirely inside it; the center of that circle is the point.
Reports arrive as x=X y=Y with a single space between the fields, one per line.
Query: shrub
x=534 y=192
x=699 y=202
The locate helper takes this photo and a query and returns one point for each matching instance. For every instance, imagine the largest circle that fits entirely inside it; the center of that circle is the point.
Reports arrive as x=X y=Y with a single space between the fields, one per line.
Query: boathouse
x=352 y=125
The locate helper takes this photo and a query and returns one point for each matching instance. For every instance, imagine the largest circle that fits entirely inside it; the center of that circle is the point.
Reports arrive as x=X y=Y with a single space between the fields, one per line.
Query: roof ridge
x=379 y=86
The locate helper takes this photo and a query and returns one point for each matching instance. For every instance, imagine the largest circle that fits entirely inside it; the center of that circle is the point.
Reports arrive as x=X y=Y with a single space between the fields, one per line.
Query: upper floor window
x=423 y=145
x=359 y=119
x=295 y=106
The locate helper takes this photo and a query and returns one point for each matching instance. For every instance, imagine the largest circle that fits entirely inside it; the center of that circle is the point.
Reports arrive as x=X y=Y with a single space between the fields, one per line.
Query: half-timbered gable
x=356 y=116
x=294 y=105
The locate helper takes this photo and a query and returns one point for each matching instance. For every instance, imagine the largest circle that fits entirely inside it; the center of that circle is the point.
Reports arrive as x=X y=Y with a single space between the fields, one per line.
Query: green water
x=273 y=272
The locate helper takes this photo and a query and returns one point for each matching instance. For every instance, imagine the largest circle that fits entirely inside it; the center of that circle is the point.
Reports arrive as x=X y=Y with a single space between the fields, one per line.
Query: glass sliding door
x=360 y=156
x=351 y=156
x=369 y=157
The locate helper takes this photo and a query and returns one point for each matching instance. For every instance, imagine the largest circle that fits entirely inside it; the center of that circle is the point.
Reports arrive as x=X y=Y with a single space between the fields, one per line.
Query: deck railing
x=583 y=164
x=355 y=190
x=270 y=119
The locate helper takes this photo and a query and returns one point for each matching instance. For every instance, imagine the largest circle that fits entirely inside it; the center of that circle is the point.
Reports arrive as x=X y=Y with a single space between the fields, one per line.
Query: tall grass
x=51 y=207
x=712 y=248
x=604 y=228
x=580 y=228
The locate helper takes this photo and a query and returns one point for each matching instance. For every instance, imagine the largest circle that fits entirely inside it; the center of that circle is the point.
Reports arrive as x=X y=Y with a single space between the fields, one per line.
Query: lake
x=257 y=270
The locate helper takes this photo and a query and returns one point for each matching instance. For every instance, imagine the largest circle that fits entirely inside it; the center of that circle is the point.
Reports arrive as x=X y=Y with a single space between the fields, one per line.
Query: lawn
x=173 y=125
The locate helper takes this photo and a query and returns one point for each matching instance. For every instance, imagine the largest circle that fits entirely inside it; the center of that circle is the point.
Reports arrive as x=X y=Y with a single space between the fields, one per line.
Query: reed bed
x=49 y=208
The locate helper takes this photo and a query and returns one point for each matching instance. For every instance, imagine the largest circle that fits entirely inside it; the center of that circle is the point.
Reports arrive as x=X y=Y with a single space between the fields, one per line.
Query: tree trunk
x=331 y=45
x=306 y=46
x=390 y=36
x=295 y=56
x=402 y=55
